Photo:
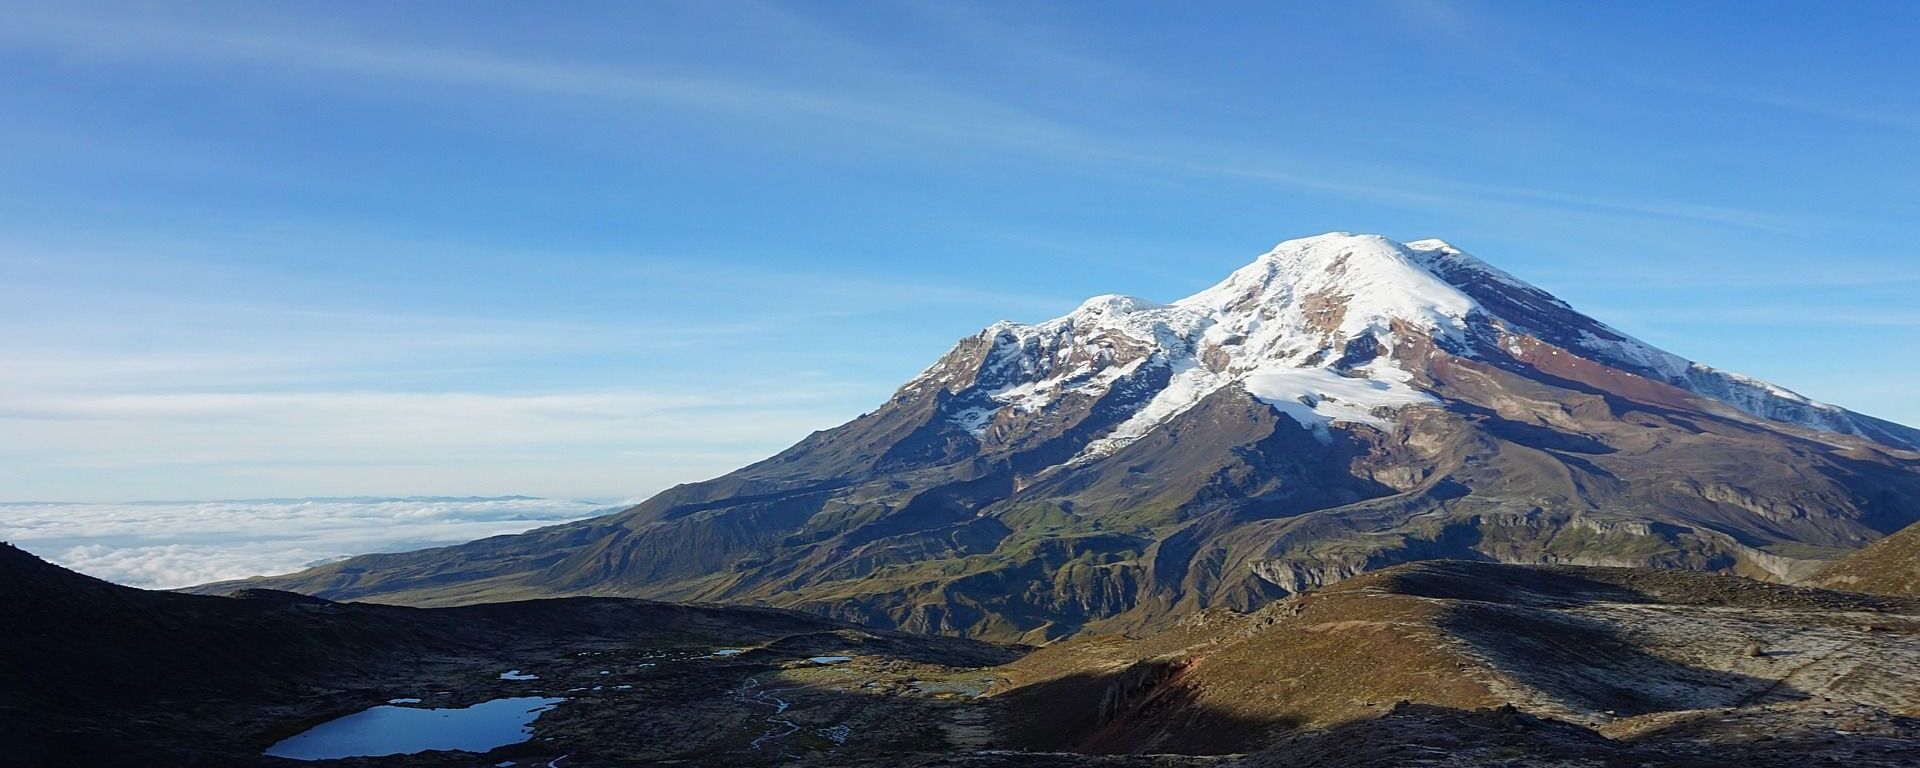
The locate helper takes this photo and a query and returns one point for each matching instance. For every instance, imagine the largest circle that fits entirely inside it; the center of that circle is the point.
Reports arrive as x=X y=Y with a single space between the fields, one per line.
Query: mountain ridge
x=1342 y=403
x=1439 y=289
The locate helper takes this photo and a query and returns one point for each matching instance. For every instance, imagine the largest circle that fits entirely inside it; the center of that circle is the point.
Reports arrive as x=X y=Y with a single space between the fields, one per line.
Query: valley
x=1434 y=663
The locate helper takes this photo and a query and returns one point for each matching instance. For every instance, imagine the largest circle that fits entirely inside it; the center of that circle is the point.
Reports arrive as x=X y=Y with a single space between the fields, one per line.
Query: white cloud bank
x=160 y=545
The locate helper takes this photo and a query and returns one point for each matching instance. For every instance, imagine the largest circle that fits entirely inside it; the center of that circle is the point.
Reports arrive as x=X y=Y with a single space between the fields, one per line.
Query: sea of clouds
x=160 y=545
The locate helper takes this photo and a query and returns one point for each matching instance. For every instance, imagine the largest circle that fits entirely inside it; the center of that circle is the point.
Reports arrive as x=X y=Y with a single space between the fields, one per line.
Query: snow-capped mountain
x=1329 y=329
x=1342 y=403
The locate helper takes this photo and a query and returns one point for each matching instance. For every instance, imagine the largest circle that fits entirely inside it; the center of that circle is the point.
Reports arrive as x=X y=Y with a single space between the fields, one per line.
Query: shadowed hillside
x=99 y=674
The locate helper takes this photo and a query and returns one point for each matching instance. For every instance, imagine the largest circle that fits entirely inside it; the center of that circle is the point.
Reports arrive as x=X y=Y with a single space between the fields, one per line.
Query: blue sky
x=594 y=250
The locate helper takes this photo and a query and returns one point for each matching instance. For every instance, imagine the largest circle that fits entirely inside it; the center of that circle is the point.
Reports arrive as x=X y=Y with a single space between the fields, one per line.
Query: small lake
x=391 y=730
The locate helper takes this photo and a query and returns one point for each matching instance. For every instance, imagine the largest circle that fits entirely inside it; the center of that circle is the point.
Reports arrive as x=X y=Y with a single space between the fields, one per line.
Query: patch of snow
x=728 y=652
x=1316 y=397
x=1435 y=253
x=837 y=734
x=1633 y=353
x=403 y=701
x=514 y=674
x=1770 y=401
x=1189 y=384
x=974 y=420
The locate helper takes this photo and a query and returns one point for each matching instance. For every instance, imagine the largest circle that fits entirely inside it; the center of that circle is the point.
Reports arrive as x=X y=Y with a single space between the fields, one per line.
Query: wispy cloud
x=1903 y=117
x=920 y=109
x=132 y=318
x=1770 y=314
x=895 y=103
x=847 y=293
x=120 y=379
x=1463 y=195
x=402 y=427
x=618 y=442
x=1819 y=270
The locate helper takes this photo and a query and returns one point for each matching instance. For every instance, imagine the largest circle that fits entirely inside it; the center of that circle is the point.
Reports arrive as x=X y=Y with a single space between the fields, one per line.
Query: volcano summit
x=1342 y=404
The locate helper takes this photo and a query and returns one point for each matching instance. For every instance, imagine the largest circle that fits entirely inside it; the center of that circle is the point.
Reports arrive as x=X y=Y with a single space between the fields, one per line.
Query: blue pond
x=390 y=730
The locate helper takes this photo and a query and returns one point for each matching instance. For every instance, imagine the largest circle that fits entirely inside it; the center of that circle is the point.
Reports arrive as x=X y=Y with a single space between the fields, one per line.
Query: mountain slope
x=1649 y=660
x=1890 y=566
x=1343 y=403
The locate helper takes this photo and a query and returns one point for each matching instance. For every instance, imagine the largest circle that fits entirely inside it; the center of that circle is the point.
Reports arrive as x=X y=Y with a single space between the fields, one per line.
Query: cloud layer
x=160 y=545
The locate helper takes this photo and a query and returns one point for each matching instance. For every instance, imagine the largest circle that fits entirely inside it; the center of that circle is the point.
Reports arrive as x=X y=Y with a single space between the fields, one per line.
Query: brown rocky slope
x=1608 y=663
x=1890 y=566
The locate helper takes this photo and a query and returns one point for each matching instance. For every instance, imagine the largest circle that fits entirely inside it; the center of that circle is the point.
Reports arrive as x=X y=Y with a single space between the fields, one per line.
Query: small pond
x=391 y=730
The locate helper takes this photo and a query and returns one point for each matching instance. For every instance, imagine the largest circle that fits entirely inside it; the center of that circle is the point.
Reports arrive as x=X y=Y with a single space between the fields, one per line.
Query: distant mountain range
x=1342 y=404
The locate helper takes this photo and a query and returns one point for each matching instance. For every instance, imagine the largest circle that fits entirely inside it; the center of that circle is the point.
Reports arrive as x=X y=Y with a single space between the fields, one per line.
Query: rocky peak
x=1340 y=323
x=1328 y=289
x=1342 y=403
